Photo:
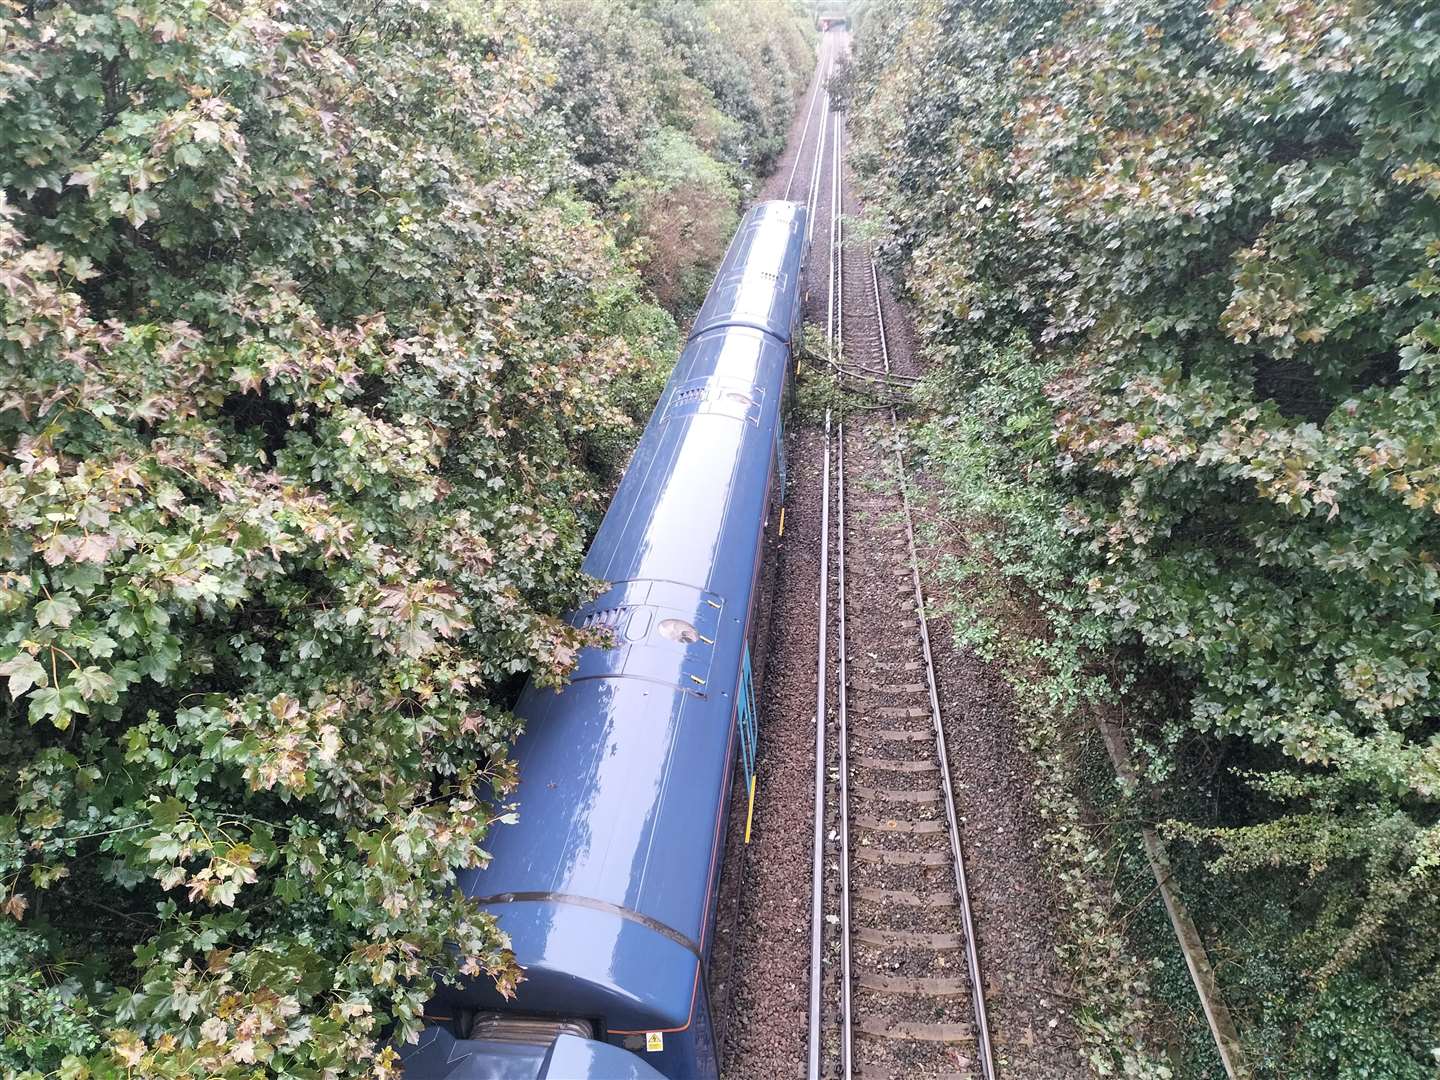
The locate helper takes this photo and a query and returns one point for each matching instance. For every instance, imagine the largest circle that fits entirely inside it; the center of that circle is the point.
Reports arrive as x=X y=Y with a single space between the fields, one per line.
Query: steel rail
x=837 y=239
x=984 y=1051
x=817 y=902
x=817 y=870
x=822 y=657
x=831 y=305
x=846 y=1026
x=820 y=80
x=812 y=197
x=843 y=752
x=843 y=734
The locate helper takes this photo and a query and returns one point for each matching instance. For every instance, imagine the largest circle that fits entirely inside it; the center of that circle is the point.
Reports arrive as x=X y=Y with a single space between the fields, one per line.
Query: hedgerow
x=313 y=364
x=1214 y=230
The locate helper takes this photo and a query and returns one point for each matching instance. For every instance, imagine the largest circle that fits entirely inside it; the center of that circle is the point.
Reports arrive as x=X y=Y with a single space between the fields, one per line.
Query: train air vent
x=527 y=1030
x=610 y=618
x=688 y=394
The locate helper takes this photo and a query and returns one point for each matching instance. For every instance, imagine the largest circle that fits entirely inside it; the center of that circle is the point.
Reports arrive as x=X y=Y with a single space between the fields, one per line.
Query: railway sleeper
x=892 y=752
x=865 y=688
x=862 y=685
x=874 y=935
x=887 y=857
x=898 y=736
x=913 y=757
x=888 y=765
x=903 y=897
x=920 y=987
x=912 y=1030
x=922 y=795
x=927 y=826
x=862 y=716
x=890 y=711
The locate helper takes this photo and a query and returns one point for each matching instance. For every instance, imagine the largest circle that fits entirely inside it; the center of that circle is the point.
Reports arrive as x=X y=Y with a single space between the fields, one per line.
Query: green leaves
x=57 y=611
x=23 y=671
x=1194 y=251
x=312 y=372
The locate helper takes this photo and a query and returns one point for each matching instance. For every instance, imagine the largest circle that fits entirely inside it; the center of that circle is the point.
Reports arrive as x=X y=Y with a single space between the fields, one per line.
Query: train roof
x=603 y=884
x=759 y=280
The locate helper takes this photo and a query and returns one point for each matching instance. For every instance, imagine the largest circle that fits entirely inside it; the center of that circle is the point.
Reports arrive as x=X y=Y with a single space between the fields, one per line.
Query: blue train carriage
x=607 y=885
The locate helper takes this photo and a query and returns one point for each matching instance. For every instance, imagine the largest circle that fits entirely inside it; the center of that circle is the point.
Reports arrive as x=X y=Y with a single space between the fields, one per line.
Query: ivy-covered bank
x=1175 y=266
x=318 y=347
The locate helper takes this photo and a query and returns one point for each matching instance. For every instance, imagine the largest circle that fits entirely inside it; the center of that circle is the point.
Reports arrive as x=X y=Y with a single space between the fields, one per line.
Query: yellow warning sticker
x=654 y=1041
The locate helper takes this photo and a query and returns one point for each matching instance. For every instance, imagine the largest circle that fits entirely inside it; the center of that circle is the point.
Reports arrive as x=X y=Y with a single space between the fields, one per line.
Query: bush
x=670 y=106
x=1217 y=226
x=309 y=354
x=680 y=210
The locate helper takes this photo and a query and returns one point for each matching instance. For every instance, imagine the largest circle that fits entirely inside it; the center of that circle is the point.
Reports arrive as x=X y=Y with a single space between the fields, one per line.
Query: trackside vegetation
x=323 y=334
x=1176 y=266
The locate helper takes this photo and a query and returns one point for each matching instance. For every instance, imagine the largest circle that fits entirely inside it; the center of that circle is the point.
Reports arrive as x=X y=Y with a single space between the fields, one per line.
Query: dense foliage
x=1177 y=265
x=672 y=104
x=314 y=354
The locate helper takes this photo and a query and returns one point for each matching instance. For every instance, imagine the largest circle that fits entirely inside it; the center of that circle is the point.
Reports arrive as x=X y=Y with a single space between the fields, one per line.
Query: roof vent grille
x=527 y=1030
x=609 y=618
x=689 y=393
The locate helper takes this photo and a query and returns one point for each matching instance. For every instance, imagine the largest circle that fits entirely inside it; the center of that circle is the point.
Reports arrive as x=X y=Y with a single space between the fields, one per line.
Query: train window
x=678 y=630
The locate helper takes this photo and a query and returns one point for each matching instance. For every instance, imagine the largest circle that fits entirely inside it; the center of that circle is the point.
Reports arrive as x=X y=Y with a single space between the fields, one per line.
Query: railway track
x=905 y=994
x=722 y=976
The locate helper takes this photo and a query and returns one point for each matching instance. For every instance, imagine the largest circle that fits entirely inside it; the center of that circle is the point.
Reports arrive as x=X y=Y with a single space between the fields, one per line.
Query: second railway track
x=905 y=995
x=913 y=965
x=909 y=971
